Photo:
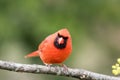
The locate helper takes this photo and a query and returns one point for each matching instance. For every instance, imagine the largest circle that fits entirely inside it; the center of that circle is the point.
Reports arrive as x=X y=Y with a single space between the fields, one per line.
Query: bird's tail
x=33 y=54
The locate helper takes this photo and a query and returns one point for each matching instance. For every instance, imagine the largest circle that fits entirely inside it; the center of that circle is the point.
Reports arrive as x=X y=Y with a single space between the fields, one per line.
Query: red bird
x=55 y=49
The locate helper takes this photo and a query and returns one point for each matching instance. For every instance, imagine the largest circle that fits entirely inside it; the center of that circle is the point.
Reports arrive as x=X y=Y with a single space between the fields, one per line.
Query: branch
x=39 y=69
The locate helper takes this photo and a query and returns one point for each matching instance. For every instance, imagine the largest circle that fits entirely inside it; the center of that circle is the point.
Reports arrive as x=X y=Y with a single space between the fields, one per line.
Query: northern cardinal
x=55 y=49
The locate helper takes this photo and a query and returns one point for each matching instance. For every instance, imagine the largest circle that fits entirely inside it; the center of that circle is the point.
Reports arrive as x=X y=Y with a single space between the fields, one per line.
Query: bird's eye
x=59 y=35
x=62 y=36
x=65 y=38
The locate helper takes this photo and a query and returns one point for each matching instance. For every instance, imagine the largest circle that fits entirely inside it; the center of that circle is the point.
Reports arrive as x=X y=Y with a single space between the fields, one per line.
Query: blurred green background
x=94 y=26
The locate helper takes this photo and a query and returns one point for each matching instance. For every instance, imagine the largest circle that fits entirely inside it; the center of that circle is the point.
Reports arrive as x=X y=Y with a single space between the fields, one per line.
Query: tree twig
x=40 y=69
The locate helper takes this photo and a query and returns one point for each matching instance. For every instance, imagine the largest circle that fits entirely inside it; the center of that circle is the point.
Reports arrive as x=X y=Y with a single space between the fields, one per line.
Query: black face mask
x=63 y=45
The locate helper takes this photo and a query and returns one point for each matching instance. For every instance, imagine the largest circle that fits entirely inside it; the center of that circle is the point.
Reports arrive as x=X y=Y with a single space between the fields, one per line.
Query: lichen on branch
x=56 y=70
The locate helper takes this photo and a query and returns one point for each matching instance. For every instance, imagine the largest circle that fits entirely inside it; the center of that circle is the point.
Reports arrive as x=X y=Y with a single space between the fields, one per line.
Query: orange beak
x=61 y=40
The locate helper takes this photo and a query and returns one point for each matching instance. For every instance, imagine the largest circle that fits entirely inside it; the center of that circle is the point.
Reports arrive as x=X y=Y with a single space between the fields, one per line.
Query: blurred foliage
x=93 y=24
x=116 y=68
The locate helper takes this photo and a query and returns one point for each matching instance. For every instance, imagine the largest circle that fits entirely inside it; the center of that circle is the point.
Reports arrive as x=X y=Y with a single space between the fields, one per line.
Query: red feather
x=55 y=48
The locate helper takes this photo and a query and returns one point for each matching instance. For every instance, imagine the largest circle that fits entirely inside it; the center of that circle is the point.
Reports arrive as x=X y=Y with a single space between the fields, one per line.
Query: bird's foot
x=48 y=65
x=65 y=68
